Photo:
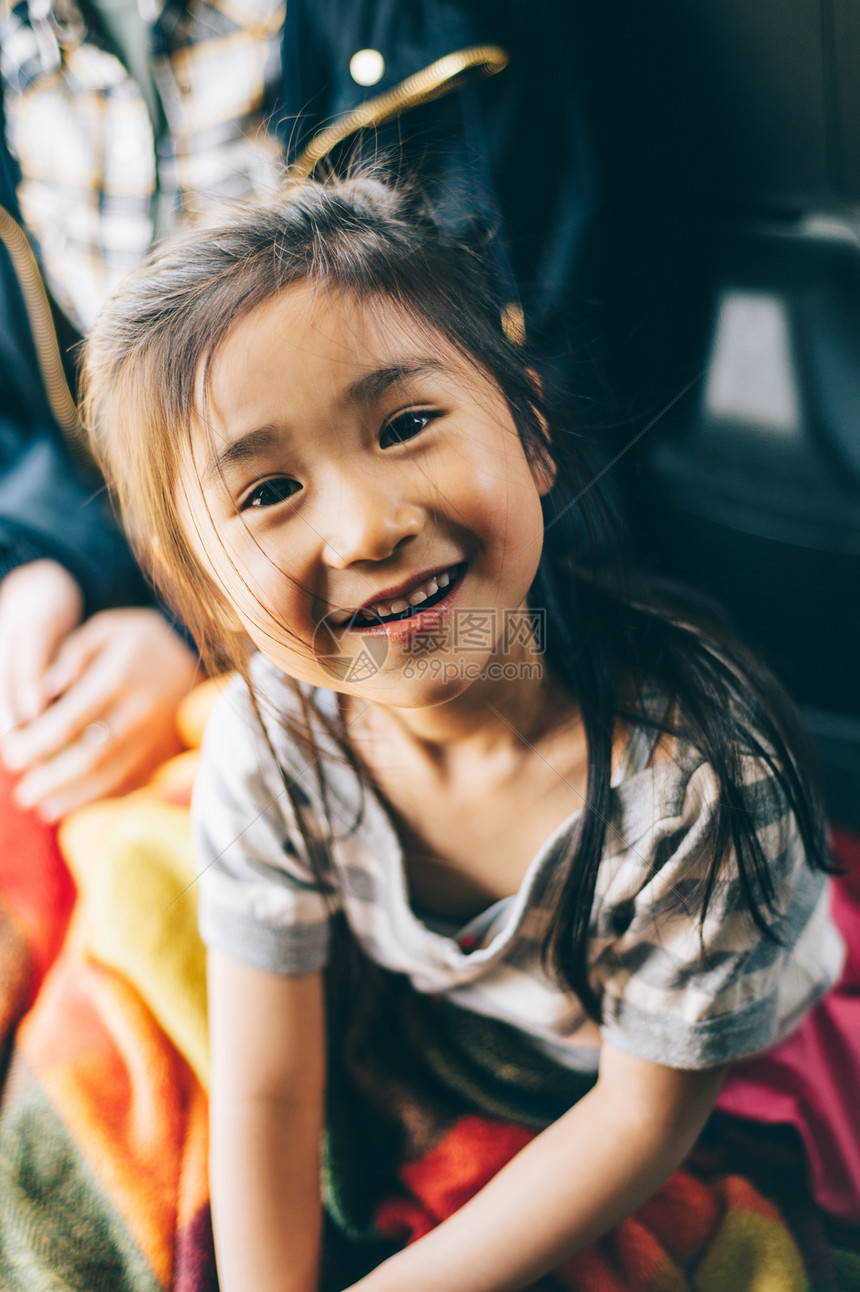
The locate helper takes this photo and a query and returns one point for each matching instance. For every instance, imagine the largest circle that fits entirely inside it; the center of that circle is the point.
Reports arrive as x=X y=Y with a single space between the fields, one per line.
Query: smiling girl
x=536 y=792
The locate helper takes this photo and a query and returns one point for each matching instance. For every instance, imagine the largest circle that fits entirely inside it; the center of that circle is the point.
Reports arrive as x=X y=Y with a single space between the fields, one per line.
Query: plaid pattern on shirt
x=96 y=182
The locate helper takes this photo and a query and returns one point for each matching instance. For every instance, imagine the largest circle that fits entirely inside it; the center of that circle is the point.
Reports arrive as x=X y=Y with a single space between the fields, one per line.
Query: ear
x=543 y=468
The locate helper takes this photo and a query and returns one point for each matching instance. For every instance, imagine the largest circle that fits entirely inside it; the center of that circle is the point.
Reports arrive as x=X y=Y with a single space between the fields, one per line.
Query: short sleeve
x=261 y=902
x=688 y=995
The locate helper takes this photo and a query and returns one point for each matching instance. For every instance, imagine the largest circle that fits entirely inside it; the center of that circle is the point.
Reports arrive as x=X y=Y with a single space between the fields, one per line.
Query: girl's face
x=342 y=460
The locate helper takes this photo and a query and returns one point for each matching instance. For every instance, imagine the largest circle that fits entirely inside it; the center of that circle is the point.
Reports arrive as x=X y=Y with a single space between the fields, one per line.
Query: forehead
x=311 y=344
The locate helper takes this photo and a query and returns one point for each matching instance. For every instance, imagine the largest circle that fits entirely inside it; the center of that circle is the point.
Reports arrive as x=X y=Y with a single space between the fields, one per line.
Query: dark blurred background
x=747 y=153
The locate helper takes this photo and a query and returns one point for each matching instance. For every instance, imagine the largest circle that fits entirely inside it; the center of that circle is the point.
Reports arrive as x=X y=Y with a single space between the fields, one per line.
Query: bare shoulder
x=665 y=749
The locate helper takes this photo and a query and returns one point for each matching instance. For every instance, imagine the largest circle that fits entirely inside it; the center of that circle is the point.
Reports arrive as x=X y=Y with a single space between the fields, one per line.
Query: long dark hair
x=610 y=630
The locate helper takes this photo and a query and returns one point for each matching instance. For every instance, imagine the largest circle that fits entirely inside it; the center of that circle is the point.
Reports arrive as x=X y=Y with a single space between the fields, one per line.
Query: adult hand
x=114 y=685
x=40 y=604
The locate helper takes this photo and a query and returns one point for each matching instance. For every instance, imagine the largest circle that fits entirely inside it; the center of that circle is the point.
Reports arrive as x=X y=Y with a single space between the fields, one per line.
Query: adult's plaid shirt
x=96 y=181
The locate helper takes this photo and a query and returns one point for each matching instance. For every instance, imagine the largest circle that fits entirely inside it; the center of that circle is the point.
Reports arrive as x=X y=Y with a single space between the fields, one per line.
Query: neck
x=491 y=718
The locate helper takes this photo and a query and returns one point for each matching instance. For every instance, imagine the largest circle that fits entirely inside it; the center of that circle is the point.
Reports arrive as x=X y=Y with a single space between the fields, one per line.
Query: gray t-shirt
x=672 y=993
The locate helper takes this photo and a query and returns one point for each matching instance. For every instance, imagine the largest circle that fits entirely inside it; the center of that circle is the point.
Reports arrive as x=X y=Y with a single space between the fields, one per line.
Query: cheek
x=274 y=607
x=506 y=505
x=222 y=564
x=249 y=575
x=267 y=598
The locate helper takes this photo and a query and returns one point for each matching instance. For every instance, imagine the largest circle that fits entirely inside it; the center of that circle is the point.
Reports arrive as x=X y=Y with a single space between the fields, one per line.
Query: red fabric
x=811 y=1080
x=646 y=1252
x=36 y=889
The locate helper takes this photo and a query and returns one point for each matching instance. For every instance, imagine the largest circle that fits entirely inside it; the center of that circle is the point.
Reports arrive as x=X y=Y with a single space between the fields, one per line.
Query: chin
x=415 y=693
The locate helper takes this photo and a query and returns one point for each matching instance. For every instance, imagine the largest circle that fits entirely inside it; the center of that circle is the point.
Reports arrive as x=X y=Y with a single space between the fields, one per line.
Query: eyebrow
x=366 y=390
x=373 y=385
x=243 y=449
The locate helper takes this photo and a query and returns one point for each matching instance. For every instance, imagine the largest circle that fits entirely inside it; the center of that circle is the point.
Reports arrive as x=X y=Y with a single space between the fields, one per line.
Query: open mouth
x=430 y=594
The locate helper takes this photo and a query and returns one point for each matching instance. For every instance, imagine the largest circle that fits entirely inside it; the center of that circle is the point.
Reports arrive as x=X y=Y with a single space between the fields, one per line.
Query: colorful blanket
x=103 y=1139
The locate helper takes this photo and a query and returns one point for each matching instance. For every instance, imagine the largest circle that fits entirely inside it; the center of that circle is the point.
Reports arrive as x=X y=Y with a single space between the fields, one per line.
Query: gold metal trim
x=430 y=83
x=44 y=333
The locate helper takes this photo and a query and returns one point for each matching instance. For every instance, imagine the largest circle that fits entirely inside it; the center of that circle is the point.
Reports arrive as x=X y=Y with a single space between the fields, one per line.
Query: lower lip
x=424 y=621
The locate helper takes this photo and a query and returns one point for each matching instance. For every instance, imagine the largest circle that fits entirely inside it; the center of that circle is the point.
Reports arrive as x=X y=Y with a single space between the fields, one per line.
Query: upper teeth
x=419 y=594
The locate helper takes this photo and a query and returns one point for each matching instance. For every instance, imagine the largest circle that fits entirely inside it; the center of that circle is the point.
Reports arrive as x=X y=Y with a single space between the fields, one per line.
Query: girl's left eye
x=270 y=492
x=405 y=426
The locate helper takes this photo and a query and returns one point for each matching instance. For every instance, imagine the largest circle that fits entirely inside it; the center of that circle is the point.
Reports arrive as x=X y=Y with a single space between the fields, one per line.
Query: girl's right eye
x=270 y=492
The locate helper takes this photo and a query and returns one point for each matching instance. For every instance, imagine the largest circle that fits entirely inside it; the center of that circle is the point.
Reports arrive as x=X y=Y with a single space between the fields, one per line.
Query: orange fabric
x=127 y=1097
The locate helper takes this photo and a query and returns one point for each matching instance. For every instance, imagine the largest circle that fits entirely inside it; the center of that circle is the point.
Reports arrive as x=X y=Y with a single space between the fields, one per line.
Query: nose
x=365 y=521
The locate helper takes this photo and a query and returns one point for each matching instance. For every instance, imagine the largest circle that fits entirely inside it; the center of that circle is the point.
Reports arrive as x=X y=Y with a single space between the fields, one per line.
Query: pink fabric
x=812 y=1080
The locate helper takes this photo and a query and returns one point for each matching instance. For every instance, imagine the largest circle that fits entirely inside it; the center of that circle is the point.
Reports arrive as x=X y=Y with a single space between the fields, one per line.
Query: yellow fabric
x=133 y=862
x=752 y=1252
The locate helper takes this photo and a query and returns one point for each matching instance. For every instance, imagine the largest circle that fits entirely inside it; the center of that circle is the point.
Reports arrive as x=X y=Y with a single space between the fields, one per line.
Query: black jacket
x=507 y=158
x=510 y=159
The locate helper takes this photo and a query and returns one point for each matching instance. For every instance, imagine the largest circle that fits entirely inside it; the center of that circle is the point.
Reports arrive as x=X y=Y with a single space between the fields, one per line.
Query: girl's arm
x=266 y=1115
x=585 y=1173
